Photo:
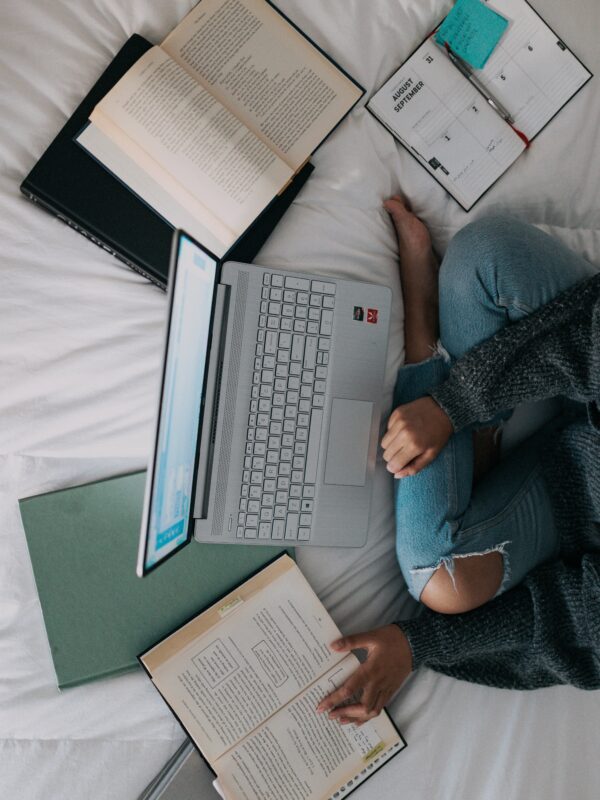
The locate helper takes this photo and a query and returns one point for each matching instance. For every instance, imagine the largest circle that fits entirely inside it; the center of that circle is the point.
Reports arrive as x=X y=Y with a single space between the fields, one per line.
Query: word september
x=405 y=92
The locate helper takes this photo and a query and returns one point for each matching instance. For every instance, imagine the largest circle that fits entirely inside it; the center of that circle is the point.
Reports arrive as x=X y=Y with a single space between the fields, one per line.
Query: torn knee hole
x=463 y=581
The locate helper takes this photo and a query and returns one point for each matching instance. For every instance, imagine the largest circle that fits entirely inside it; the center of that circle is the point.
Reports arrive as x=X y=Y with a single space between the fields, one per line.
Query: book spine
x=90 y=236
x=365 y=773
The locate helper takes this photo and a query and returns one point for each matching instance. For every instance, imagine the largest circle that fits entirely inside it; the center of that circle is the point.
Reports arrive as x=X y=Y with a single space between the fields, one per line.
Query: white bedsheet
x=79 y=352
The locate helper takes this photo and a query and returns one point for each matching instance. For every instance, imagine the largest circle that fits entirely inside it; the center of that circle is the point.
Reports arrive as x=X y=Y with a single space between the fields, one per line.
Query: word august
x=403 y=93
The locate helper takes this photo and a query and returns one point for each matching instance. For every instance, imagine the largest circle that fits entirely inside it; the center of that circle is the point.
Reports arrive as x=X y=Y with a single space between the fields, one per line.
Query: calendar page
x=449 y=126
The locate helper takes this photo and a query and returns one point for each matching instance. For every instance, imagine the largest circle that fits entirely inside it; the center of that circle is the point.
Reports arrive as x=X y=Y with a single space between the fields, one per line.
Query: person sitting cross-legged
x=508 y=566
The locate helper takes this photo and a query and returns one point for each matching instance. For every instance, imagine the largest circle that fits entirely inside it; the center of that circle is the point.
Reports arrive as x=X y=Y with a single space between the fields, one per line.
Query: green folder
x=98 y=614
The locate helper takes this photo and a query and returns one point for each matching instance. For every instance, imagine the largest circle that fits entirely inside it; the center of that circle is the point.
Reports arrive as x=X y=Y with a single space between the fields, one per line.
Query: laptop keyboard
x=286 y=408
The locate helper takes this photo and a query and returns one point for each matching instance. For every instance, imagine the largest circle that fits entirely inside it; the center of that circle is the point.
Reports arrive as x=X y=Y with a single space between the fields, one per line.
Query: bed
x=80 y=350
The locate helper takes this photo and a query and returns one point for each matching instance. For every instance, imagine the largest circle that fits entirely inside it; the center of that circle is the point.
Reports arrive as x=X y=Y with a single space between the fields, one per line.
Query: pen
x=466 y=70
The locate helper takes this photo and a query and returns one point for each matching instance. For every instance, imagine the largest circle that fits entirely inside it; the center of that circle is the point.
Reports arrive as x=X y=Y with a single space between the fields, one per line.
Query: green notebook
x=99 y=615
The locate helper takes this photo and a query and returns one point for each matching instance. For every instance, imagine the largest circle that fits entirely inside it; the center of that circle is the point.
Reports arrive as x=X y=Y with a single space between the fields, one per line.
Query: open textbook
x=211 y=125
x=446 y=123
x=244 y=679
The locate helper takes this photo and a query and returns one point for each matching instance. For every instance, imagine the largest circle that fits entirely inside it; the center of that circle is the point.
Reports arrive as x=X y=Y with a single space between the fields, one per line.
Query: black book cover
x=70 y=183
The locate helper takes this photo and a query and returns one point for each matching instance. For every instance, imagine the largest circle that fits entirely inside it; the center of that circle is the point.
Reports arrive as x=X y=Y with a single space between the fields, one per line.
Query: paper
x=444 y=121
x=472 y=30
x=259 y=657
x=257 y=65
x=531 y=72
x=162 y=115
x=299 y=754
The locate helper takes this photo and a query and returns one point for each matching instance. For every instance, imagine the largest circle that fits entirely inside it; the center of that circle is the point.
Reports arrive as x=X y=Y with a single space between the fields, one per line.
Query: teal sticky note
x=472 y=30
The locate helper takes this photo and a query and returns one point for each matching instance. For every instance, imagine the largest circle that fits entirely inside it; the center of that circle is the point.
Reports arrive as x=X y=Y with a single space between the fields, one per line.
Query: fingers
x=401 y=458
x=356 y=713
x=360 y=641
x=361 y=712
x=370 y=698
x=394 y=426
x=416 y=433
x=416 y=465
x=400 y=444
x=343 y=694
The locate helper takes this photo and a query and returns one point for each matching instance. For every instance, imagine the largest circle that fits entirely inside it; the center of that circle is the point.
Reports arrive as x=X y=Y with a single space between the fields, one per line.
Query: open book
x=446 y=123
x=211 y=125
x=244 y=679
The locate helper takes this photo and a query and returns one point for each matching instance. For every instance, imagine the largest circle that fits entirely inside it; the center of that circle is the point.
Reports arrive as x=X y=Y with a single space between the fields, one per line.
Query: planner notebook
x=244 y=678
x=98 y=613
x=212 y=124
x=446 y=123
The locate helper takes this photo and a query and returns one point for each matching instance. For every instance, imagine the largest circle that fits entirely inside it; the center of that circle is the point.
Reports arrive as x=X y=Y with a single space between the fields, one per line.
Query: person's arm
x=555 y=351
x=545 y=631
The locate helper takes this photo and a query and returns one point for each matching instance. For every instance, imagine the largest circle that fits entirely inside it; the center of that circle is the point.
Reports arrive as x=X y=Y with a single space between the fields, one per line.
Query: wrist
x=402 y=647
x=440 y=418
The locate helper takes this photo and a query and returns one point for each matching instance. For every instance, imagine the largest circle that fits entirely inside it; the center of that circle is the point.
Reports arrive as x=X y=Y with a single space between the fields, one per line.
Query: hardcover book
x=70 y=183
x=98 y=615
x=210 y=126
x=244 y=679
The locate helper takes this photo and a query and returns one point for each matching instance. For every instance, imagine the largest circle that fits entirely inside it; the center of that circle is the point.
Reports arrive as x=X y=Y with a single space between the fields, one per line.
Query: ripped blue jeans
x=496 y=271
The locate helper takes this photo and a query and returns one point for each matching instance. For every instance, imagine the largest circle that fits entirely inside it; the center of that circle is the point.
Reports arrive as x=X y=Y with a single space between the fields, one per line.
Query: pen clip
x=460 y=62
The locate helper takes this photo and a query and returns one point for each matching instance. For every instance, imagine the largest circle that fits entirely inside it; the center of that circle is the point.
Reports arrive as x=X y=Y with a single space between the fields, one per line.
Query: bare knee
x=476 y=580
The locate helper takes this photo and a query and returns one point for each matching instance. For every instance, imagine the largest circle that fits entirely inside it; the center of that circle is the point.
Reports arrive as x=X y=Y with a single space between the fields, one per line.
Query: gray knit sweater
x=545 y=631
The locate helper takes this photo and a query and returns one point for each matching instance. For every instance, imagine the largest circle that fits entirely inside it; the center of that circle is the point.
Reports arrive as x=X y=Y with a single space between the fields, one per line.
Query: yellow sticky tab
x=230 y=606
x=374 y=752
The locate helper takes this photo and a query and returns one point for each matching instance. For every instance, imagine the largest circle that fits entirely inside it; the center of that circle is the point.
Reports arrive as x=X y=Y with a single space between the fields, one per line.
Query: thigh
x=440 y=518
x=430 y=504
x=496 y=271
x=511 y=511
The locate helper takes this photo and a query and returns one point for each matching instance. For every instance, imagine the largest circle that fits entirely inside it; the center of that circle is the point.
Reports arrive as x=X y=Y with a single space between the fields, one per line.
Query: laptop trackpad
x=348 y=446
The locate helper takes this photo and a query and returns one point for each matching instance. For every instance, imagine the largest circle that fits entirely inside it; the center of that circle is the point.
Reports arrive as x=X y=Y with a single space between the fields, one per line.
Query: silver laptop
x=269 y=409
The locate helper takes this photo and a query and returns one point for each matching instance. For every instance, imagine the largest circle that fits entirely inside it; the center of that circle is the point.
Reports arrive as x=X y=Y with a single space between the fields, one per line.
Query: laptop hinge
x=211 y=406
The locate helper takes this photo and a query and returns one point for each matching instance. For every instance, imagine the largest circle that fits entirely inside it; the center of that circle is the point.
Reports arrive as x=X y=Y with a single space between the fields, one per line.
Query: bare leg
x=476 y=579
x=419 y=278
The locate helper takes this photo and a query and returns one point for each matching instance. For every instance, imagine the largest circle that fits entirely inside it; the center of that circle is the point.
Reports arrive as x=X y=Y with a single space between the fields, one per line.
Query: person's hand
x=388 y=664
x=416 y=433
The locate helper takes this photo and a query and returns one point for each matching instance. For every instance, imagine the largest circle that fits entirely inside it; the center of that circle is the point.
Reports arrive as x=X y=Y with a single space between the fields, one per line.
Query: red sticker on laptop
x=372 y=314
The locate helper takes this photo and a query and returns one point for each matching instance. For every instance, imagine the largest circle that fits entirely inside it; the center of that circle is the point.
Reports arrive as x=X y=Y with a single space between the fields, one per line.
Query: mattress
x=79 y=357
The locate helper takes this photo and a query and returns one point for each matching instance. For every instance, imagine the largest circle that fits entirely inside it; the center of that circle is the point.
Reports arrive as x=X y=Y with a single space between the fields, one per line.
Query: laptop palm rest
x=348 y=445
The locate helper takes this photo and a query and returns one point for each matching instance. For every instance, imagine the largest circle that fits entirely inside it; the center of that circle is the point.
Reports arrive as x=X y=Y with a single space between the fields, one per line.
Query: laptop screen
x=169 y=493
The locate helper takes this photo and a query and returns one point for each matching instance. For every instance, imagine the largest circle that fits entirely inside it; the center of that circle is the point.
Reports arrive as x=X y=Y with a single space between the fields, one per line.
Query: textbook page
x=531 y=72
x=190 y=215
x=269 y=646
x=255 y=62
x=446 y=123
x=301 y=755
x=165 y=116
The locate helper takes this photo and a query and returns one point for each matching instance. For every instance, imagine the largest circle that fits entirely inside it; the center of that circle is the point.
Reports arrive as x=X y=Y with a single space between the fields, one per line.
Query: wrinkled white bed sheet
x=79 y=353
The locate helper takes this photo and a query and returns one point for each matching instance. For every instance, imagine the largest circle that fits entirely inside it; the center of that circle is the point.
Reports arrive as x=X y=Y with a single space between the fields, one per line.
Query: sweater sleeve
x=555 y=351
x=545 y=631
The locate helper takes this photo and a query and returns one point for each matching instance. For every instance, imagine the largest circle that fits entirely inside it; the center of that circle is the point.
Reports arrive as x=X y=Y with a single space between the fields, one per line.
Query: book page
x=531 y=71
x=185 y=212
x=446 y=123
x=265 y=72
x=301 y=755
x=164 y=112
x=232 y=675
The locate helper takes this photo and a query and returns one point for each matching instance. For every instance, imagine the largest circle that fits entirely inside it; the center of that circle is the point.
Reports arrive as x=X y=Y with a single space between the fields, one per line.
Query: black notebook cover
x=71 y=184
